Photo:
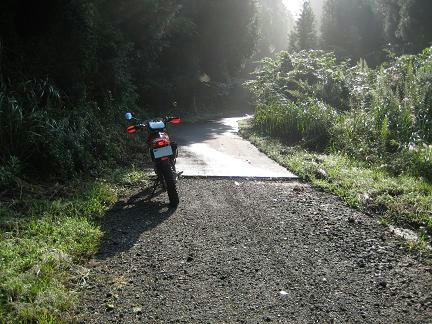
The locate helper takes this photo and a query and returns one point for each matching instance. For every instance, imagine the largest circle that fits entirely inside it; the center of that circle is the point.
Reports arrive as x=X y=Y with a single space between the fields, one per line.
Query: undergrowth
x=45 y=236
x=379 y=116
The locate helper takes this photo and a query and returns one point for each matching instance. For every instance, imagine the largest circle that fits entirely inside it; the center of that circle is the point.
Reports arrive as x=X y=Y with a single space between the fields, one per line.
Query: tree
x=352 y=30
x=407 y=24
x=304 y=34
x=415 y=25
x=317 y=7
x=274 y=24
x=208 y=40
x=390 y=11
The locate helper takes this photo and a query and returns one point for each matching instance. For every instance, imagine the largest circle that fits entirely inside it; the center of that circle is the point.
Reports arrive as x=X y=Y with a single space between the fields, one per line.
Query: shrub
x=382 y=116
x=43 y=134
x=300 y=76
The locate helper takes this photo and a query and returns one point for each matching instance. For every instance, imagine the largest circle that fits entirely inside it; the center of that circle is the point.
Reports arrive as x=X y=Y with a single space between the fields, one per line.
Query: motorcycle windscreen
x=156 y=124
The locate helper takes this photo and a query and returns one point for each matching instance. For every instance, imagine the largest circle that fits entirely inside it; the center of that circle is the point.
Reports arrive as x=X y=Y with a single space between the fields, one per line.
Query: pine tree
x=304 y=35
x=274 y=22
x=415 y=24
x=330 y=33
x=352 y=30
x=407 y=24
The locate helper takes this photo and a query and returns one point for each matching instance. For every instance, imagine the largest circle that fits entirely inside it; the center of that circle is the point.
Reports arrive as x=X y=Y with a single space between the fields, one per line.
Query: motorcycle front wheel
x=167 y=171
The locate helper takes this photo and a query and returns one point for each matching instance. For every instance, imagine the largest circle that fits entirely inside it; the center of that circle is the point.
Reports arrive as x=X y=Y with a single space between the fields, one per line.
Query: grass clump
x=42 y=243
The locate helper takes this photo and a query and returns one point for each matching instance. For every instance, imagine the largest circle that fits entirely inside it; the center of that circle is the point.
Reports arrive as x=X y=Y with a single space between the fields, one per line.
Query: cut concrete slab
x=214 y=149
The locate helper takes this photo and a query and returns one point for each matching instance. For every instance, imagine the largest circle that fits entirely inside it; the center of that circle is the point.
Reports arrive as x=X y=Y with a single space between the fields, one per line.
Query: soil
x=249 y=252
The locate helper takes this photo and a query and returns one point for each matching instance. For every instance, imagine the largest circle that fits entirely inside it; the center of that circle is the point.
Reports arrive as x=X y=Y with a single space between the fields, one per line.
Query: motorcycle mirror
x=128 y=116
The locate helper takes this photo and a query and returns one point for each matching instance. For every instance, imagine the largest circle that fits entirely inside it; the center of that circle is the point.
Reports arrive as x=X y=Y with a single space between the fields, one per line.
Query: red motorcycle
x=163 y=152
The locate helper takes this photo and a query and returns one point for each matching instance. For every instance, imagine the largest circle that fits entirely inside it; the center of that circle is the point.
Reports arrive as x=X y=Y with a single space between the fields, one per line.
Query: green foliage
x=380 y=116
x=40 y=136
x=308 y=123
x=41 y=244
x=396 y=123
x=10 y=171
x=302 y=75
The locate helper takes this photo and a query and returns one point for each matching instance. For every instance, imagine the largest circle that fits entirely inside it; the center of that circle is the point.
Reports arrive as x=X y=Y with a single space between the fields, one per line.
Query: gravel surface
x=247 y=251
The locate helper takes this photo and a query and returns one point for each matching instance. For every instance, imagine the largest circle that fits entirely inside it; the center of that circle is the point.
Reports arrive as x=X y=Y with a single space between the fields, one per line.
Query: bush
x=42 y=134
x=300 y=76
x=382 y=116
x=10 y=171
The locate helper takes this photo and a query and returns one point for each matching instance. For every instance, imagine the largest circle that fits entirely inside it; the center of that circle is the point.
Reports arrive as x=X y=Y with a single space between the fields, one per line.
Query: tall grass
x=381 y=116
x=307 y=123
x=42 y=134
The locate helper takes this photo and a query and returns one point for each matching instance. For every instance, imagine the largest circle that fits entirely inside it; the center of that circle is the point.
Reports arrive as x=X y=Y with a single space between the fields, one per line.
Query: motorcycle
x=163 y=152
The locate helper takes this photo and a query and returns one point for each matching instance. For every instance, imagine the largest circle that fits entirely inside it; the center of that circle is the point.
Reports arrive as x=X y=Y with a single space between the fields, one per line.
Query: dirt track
x=252 y=252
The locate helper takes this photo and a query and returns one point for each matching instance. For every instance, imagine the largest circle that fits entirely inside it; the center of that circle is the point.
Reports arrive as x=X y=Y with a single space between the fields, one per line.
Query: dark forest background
x=69 y=69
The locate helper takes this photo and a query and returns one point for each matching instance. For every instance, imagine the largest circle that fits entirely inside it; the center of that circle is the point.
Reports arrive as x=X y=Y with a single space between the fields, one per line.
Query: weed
x=382 y=117
x=43 y=241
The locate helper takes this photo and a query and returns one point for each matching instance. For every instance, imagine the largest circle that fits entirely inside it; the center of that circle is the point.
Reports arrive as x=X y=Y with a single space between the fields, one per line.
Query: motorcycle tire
x=169 y=176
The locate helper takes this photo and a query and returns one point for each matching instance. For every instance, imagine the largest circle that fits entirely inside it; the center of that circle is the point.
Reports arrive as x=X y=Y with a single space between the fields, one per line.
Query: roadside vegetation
x=47 y=233
x=362 y=133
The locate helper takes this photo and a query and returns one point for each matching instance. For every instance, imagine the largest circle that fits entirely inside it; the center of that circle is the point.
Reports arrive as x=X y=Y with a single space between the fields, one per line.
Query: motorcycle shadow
x=128 y=220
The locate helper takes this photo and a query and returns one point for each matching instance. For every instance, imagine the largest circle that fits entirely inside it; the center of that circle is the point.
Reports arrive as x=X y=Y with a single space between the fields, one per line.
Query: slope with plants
x=362 y=133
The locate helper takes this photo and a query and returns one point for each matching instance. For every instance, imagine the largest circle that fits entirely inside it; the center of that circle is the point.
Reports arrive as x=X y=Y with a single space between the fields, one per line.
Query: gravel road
x=251 y=252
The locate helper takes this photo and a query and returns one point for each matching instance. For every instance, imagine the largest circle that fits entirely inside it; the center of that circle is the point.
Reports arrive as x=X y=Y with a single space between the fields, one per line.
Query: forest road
x=251 y=252
x=214 y=149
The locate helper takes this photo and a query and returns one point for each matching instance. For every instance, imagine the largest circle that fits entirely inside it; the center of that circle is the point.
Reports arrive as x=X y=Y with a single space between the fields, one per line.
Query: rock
x=382 y=284
x=110 y=307
x=137 y=310
x=321 y=174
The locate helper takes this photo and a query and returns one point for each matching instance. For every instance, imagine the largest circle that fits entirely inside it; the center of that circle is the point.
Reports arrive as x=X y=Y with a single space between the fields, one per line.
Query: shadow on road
x=188 y=134
x=127 y=220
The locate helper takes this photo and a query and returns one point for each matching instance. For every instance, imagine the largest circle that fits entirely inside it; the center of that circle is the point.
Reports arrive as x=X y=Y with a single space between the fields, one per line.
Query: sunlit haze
x=294 y=6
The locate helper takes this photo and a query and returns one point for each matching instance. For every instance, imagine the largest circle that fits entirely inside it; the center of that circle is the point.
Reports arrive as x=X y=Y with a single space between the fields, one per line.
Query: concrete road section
x=214 y=149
